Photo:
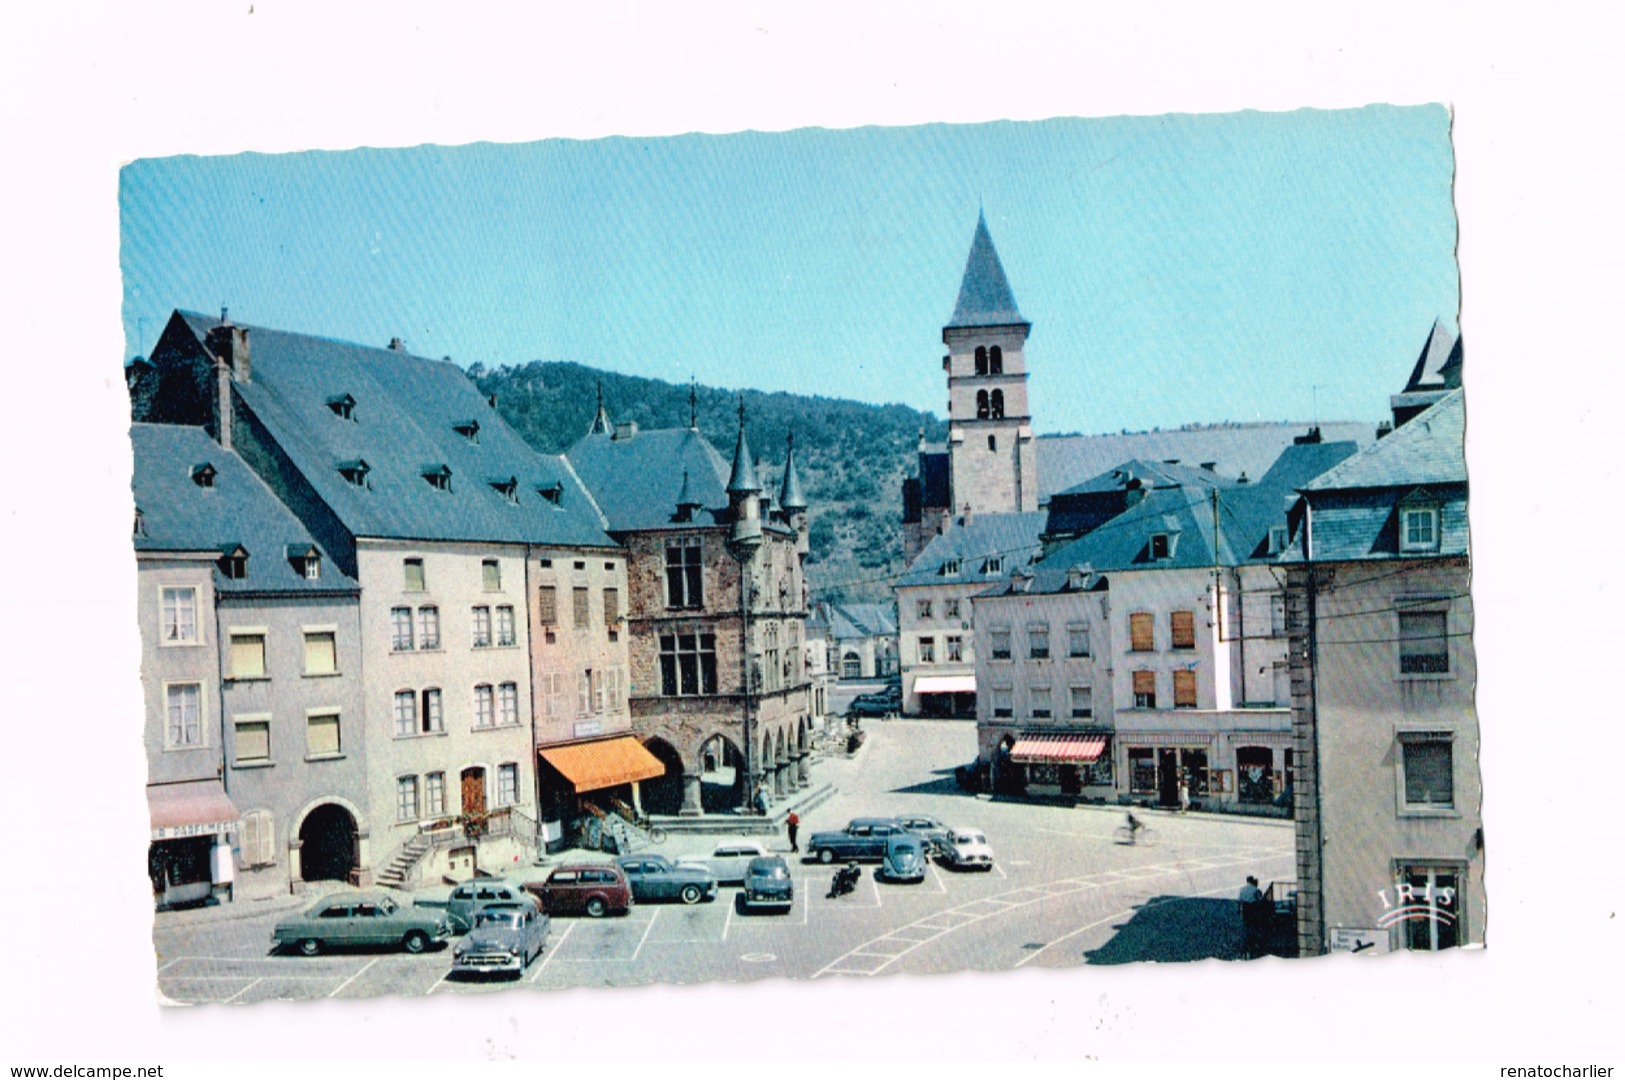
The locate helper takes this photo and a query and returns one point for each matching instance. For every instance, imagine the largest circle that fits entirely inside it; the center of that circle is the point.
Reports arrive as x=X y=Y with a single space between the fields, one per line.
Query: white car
x=729 y=862
x=966 y=849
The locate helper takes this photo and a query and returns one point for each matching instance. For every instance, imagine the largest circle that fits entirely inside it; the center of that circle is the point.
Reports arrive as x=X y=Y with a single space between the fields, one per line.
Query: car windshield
x=498 y=918
x=772 y=870
x=972 y=838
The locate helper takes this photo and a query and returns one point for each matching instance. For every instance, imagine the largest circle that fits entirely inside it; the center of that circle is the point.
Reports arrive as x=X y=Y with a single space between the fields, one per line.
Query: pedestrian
x=1252 y=903
x=1184 y=793
x=792 y=824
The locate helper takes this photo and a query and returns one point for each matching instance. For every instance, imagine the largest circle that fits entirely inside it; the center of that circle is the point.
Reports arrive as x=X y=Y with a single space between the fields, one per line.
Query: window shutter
x=1182 y=624
x=547 y=605
x=321 y=654
x=612 y=605
x=582 y=612
x=323 y=734
x=1145 y=682
x=1428 y=773
x=1141 y=638
x=1185 y=689
x=247 y=656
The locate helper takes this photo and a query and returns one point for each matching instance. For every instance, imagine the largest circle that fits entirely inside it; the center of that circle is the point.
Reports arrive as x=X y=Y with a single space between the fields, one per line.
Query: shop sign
x=180 y=832
x=583 y=728
x=1361 y=941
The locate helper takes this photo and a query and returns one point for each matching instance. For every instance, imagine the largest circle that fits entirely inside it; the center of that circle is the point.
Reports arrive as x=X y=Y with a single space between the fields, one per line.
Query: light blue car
x=904 y=859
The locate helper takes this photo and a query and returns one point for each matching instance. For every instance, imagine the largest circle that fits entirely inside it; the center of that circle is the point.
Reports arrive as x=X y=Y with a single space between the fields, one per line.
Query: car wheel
x=826 y=856
x=415 y=942
x=310 y=946
x=691 y=894
x=596 y=907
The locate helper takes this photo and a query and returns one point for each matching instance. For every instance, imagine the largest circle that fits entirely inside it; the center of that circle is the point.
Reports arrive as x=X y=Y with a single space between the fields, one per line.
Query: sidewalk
x=248 y=909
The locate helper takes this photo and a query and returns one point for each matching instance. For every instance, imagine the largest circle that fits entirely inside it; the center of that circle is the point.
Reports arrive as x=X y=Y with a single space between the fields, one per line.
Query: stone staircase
x=402 y=867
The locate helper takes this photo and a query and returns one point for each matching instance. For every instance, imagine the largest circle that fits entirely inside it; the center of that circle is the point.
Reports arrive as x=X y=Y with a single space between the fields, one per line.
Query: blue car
x=904 y=859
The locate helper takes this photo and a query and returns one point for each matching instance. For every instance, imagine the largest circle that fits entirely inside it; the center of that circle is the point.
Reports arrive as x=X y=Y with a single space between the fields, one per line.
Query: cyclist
x=1134 y=826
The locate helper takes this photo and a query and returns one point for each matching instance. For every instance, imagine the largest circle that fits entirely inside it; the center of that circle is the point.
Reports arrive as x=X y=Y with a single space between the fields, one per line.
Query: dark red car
x=594 y=889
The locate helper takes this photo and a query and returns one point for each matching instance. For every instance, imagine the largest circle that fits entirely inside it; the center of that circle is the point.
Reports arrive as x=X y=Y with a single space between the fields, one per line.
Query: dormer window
x=1419 y=528
x=553 y=493
x=306 y=561
x=203 y=475
x=468 y=429
x=508 y=489
x=234 y=562
x=140 y=523
x=343 y=406
x=993 y=565
x=1278 y=539
x=355 y=472
x=1163 y=545
x=438 y=477
x=950 y=568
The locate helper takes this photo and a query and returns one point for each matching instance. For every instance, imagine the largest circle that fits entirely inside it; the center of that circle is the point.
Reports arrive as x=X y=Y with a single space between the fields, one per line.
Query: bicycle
x=1145 y=835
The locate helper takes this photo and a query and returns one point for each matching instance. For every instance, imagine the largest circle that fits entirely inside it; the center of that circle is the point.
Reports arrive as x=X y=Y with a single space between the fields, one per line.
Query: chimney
x=229 y=345
x=1308 y=438
x=397 y=345
x=964 y=517
x=1210 y=466
x=625 y=430
x=1384 y=429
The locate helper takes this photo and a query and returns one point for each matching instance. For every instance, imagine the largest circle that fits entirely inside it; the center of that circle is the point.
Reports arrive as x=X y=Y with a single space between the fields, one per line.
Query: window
x=203 y=475
x=551 y=688
x=996 y=401
x=1140 y=633
x=923 y=608
x=956 y=649
x=981 y=359
x=256 y=840
x=400 y=629
x=482 y=627
x=322 y=734
x=950 y=608
x=468 y=429
x=414 y=581
x=406 y=798
x=1433 y=895
x=982 y=408
x=580 y=606
x=1142 y=771
x=1145 y=690
x=485 y=709
x=851 y=666
x=506 y=630
x=428 y=627
x=612 y=606
x=508 y=784
x=612 y=682
x=1041 y=703
x=928 y=650
x=580 y=565
x=1162 y=546
x=434 y=721
x=993 y=565
x=683 y=574
x=438 y=477
x=1428 y=763
x=688 y=664
x=1423 y=646
x=1077 y=639
x=311 y=566
x=434 y=794
x=1002 y=703
x=248 y=655
x=321 y=652
x=406 y=713
x=355 y=473
x=1184 y=689
x=1083 y=704
x=508 y=704
x=1182 y=629
x=343 y=406
x=178 y=615
x=1419 y=528
x=1278 y=539
x=253 y=740
x=234 y=564
x=992 y=443
x=584 y=692
x=1278 y=616
x=547 y=605
x=1038 y=641
x=1001 y=644
x=995 y=361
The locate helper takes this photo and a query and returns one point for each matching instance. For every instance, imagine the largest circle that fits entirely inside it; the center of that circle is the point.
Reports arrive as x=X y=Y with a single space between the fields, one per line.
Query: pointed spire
x=742 y=481
x=693 y=405
x=985 y=298
x=790 y=497
x=600 y=421
x=686 y=502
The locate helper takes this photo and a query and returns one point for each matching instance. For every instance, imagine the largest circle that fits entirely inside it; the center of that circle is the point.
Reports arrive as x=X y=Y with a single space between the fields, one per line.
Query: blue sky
x=1176 y=268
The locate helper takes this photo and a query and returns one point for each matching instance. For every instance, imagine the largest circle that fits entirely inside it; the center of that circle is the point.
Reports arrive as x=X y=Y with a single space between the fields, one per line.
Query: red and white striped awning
x=1057 y=749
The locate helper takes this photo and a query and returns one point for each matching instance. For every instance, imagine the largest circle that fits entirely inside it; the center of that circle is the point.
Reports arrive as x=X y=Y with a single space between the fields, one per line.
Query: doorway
x=1168 y=777
x=327 y=843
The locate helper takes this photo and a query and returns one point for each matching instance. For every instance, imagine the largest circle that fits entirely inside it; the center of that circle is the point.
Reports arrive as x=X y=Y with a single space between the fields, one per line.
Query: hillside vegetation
x=852 y=457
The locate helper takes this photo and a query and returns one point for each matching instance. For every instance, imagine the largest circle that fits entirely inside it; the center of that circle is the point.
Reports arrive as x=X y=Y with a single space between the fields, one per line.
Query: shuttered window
x=1083 y=705
x=248 y=656
x=612 y=683
x=256 y=839
x=1077 y=639
x=1041 y=703
x=1184 y=689
x=1002 y=705
x=580 y=606
x=547 y=605
x=491 y=575
x=1182 y=629
x=321 y=653
x=1038 y=641
x=1429 y=769
x=1423 y=648
x=1140 y=633
x=322 y=734
x=1145 y=690
x=412 y=575
x=612 y=605
x=253 y=741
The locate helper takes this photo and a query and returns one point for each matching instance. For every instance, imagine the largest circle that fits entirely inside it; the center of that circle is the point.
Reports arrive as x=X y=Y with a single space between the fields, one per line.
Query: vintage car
x=592 y=889
x=967 y=849
x=465 y=901
x=882 y=703
x=361 y=919
x=655 y=877
x=768 y=884
x=927 y=828
x=505 y=938
x=728 y=862
x=863 y=838
x=904 y=859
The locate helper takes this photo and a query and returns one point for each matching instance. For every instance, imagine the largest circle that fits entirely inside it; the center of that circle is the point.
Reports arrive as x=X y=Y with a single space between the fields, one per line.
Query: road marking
x=354 y=977
x=243 y=991
x=438 y=982
x=874 y=882
x=554 y=951
x=1000 y=869
x=644 y=938
x=726 y=926
x=758 y=957
x=937 y=874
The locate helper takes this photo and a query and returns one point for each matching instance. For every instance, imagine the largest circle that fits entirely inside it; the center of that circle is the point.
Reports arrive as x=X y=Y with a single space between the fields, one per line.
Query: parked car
x=655 y=877
x=729 y=862
x=468 y=899
x=768 y=883
x=863 y=838
x=592 y=889
x=505 y=938
x=904 y=858
x=887 y=702
x=967 y=849
x=361 y=919
x=927 y=828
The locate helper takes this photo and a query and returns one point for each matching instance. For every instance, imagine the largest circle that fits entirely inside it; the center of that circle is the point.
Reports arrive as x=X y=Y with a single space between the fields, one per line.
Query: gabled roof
x=1427 y=450
x=847 y=621
x=639 y=480
x=1443 y=350
x=985 y=298
x=404 y=421
x=239 y=510
x=1011 y=537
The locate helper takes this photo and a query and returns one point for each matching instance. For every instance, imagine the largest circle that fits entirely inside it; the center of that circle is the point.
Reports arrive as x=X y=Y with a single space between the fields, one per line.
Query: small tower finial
x=600 y=420
x=693 y=405
x=223 y=320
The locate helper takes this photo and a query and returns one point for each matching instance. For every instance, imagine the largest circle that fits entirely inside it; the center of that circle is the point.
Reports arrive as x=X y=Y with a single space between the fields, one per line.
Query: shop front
x=1070 y=765
x=946 y=696
x=189 y=859
x=585 y=780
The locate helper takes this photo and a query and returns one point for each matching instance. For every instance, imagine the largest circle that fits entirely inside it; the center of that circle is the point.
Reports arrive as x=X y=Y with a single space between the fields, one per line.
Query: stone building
x=715 y=592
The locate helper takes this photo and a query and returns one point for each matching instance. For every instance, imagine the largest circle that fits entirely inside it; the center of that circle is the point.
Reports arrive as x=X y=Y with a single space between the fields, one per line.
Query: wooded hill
x=852 y=457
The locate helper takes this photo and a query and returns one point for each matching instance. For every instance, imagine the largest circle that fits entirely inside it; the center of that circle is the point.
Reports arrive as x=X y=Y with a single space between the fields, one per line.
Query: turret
x=792 y=502
x=743 y=496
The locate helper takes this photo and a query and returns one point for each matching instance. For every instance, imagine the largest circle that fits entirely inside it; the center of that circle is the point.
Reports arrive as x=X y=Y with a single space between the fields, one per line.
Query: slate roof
x=1012 y=536
x=847 y=621
x=637 y=481
x=178 y=515
x=791 y=496
x=985 y=298
x=1441 y=355
x=403 y=426
x=1426 y=450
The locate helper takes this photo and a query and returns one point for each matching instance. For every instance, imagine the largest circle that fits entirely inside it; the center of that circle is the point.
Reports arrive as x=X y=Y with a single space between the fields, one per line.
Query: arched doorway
x=327 y=844
x=663 y=794
x=722 y=783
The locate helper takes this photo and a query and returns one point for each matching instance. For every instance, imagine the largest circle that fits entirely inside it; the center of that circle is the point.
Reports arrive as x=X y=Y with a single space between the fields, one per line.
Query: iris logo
x=1420 y=902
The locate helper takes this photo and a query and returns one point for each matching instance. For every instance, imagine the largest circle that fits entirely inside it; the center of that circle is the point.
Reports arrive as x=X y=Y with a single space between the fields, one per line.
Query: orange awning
x=1057 y=750
x=604 y=763
x=190 y=808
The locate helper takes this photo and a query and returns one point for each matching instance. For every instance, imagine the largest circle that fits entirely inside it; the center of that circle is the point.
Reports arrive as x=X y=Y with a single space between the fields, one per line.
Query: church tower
x=992 y=464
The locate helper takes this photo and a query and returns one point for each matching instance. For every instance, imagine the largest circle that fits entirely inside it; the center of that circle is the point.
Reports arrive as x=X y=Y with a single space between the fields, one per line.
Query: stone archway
x=327 y=844
x=720 y=766
x=663 y=794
